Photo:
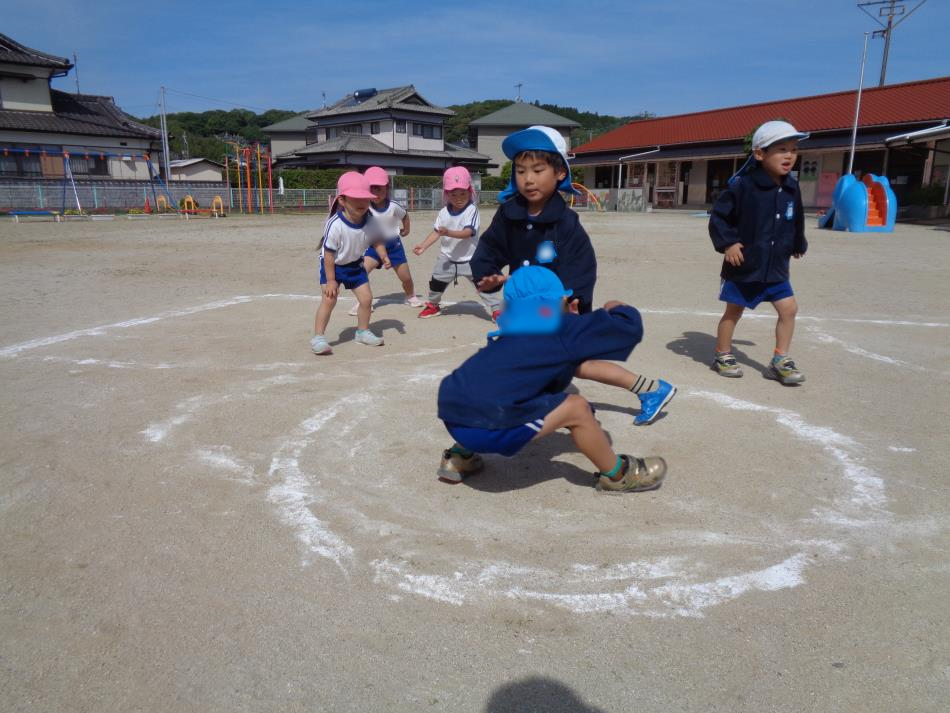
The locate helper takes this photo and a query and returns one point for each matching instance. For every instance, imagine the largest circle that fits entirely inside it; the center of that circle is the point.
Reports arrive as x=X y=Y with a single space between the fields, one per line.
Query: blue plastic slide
x=865 y=206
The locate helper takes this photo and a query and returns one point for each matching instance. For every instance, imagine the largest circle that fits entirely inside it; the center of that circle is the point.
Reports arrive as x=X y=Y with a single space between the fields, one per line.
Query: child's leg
x=364 y=298
x=322 y=318
x=436 y=289
x=405 y=277
x=369 y=264
x=786 y=308
x=727 y=327
x=654 y=394
x=575 y=414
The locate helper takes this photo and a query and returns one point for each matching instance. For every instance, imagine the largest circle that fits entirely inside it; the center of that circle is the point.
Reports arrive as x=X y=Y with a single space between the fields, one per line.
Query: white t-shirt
x=389 y=218
x=349 y=240
x=454 y=249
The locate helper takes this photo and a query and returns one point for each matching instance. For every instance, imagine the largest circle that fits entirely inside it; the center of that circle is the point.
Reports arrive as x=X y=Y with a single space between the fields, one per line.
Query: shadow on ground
x=701 y=347
x=378 y=326
x=540 y=694
x=533 y=465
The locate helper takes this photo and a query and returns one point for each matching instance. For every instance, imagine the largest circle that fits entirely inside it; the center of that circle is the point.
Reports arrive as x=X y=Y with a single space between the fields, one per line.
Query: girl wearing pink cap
x=394 y=221
x=456 y=227
x=349 y=230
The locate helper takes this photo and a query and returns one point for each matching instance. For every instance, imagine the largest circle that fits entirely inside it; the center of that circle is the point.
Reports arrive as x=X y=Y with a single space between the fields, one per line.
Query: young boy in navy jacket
x=758 y=224
x=534 y=226
x=512 y=390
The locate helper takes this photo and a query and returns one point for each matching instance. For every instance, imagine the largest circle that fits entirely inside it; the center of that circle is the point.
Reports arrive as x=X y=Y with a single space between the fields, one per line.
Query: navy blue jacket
x=516 y=379
x=514 y=237
x=767 y=218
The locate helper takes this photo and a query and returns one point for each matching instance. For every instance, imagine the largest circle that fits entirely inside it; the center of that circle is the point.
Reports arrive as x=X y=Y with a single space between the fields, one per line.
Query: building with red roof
x=903 y=133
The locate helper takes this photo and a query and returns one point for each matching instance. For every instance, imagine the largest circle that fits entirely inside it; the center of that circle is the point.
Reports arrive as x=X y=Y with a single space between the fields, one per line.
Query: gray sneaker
x=785 y=372
x=364 y=336
x=637 y=475
x=320 y=345
x=727 y=365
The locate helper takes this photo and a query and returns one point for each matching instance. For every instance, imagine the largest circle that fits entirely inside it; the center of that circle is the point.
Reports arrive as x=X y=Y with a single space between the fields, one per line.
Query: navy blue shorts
x=394 y=249
x=752 y=294
x=504 y=441
x=351 y=275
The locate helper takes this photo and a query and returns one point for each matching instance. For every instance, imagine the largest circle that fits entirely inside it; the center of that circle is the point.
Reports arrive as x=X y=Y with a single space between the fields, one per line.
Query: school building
x=686 y=160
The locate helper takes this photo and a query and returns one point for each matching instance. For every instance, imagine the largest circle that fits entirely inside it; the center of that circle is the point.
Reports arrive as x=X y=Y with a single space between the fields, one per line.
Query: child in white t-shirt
x=349 y=230
x=394 y=221
x=457 y=228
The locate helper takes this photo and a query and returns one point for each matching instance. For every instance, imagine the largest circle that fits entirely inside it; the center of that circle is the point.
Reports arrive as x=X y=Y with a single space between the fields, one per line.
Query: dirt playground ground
x=197 y=514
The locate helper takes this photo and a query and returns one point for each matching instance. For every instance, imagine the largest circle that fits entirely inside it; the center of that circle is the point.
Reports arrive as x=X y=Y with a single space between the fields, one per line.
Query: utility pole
x=889 y=9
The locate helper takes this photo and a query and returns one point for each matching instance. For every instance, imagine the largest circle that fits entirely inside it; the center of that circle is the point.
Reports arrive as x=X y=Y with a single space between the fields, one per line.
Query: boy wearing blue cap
x=512 y=390
x=758 y=224
x=534 y=226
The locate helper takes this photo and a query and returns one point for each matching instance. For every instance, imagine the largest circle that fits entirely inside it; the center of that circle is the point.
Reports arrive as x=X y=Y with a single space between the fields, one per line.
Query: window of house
x=92 y=163
x=352 y=129
x=400 y=126
x=427 y=131
x=374 y=127
x=311 y=135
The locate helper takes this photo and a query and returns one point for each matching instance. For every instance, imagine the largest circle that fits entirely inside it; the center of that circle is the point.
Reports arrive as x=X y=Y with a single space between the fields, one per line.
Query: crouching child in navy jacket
x=512 y=390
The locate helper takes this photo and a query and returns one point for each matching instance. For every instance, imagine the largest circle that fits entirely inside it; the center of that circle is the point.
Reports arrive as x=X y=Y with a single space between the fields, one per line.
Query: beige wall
x=197 y=172
x=24 y=95
x=132 y=169
x=697 y=183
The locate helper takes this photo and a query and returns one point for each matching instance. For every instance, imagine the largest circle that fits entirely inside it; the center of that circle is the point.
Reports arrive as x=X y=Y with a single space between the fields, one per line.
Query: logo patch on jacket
x=790 y=211
x=546 y=253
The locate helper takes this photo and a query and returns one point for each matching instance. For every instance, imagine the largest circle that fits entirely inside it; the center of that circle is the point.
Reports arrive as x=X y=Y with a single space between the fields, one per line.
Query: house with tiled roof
x=38 y=124
x=395 y=128
x=902 y=133
x=486 y=133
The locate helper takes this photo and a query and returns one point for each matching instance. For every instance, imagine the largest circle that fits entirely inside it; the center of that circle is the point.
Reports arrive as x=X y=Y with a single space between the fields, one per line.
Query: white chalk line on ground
x=16 y=349
x=800 y=318
x=295 y=500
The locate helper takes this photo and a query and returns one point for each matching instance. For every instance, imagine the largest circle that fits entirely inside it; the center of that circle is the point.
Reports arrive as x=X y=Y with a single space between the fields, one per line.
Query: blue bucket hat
x=536 y=138
x=534 y=302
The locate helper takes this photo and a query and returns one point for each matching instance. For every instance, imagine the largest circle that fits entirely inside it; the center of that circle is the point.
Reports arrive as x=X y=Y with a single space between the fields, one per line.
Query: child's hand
x=798 y=256
x=403 y=232
x=330 y=289
x=419 y=249
x=387 y=264
x=613 y=303
x=734 y=254
x=490 y=282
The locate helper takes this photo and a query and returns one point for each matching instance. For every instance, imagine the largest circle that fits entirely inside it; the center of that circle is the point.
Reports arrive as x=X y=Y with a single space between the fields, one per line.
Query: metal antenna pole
x=518 y=87
x=857 y=105
x=165 y=150
x=76 y=67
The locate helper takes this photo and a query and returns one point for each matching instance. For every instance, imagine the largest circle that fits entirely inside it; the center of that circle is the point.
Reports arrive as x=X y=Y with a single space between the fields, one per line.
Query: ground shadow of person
x=379 y=327
x=467 y=307
x=539 y=694
x=701 y=347
x=532 y=465
x=392 y=298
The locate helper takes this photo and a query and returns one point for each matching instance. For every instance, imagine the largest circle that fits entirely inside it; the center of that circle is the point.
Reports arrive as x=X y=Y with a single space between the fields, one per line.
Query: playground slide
x=865 y=206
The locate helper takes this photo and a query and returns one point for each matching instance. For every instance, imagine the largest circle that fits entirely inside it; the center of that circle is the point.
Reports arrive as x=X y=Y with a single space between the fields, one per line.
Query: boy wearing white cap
x=758 y=224
x=534 y=226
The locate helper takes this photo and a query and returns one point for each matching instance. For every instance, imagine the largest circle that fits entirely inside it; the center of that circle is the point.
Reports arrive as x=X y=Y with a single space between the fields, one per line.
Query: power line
x=212 y=99
x=889 y=9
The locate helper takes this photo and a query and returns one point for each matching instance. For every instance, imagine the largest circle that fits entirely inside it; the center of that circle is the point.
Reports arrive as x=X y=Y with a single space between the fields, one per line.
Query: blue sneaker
x=652 y=402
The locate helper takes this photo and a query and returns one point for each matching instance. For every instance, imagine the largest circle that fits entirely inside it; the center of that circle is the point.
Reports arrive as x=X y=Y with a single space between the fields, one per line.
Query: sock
x=719 y=353
x=643 y=385
x=616 y=469
x=778 y=356
x=462 y=451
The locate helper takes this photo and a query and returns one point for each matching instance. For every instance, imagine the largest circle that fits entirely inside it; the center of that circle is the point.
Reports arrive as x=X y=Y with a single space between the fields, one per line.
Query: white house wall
x=24 y=95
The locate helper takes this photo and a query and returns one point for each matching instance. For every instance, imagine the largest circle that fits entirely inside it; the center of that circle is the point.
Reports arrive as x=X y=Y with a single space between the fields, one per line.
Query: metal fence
x=122 y=196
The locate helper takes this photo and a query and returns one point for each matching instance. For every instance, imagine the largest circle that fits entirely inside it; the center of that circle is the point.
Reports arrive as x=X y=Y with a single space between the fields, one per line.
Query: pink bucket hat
x=457 y=177
x=376 y=176
x=351 y=184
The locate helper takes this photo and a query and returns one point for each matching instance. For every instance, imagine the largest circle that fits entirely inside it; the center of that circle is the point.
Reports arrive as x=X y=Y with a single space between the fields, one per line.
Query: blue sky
x=667 y=57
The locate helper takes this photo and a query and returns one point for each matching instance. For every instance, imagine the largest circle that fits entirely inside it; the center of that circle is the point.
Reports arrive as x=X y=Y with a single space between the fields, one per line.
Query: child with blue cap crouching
x=511 y=391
